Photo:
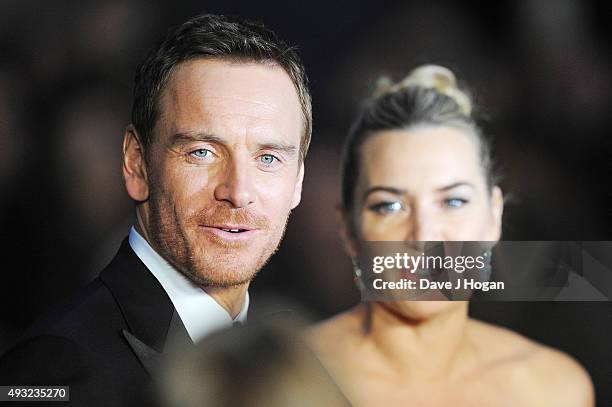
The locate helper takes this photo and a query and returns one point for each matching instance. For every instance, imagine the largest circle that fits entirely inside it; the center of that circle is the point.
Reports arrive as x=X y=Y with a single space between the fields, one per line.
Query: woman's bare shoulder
x=562 y=376
x=544 y=375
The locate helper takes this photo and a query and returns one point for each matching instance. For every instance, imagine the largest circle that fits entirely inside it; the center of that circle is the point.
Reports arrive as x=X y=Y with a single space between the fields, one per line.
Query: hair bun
x=435 y=77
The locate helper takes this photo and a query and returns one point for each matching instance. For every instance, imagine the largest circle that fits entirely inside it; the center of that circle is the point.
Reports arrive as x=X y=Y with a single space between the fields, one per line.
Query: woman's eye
x=267 y=159
x=385 y=208
x=455 y=202
x=201 y=153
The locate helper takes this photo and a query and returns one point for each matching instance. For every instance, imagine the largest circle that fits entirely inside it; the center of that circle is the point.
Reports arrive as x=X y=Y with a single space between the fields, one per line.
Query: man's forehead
x=224 y=78
x=214 y=89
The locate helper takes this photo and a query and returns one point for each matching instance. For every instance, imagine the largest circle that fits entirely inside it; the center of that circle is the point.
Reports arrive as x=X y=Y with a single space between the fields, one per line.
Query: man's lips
x=231 y=228
x=231 y=232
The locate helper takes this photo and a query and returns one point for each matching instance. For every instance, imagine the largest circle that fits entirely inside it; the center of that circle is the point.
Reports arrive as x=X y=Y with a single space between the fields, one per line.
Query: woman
x=417 y=168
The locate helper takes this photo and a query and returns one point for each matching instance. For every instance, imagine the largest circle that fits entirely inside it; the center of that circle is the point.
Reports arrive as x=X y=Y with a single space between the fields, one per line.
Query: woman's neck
x=427 y=349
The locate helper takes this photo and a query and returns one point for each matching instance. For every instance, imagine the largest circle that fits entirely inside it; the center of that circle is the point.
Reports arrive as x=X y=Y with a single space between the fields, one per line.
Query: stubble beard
x=218 y=263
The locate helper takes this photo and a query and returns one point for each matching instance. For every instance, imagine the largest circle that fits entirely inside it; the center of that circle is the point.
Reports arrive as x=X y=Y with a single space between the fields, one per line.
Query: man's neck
x=230 y=298
x=140 y=228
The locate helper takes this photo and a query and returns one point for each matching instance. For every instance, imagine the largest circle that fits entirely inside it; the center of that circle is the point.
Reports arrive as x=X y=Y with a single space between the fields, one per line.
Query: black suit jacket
x=103 y=342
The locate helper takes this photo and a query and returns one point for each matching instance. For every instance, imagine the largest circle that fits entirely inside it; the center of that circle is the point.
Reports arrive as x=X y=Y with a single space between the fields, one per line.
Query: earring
x=486 y=270
x=356 y=268
x=357 y=274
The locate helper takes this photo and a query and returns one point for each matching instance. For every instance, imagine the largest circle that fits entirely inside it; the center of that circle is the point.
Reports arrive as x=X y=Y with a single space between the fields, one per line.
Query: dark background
x=539 y=71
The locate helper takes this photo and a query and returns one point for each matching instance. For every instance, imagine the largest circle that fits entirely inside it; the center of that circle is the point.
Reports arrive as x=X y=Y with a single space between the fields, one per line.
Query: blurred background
x=540 y=72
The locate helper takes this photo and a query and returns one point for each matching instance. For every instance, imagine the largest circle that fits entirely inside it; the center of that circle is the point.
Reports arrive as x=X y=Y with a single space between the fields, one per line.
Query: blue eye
x=386 y=208
x=267 y=159
x=455 y=203
x=201 y=153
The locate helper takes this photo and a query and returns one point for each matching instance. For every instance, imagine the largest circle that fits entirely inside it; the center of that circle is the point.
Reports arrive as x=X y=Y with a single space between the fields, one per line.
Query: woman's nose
x=423 y=226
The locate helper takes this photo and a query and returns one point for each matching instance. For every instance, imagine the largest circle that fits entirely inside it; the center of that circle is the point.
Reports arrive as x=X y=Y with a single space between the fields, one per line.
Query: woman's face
x=424 y=184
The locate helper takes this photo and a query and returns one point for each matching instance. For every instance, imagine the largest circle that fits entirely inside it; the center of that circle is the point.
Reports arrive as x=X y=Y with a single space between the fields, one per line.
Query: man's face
x=223 y=169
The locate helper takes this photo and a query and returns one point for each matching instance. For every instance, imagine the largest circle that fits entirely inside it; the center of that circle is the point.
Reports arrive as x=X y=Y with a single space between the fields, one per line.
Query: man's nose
x=236 y=187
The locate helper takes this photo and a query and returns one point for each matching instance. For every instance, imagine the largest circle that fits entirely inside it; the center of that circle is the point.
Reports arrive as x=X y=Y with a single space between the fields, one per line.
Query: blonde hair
x=435 y=77
x=428 y=96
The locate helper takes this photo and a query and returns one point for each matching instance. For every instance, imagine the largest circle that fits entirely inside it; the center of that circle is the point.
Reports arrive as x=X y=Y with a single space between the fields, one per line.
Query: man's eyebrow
x=288 y=149
x=396 y=191
x=455 y=185
x=188 y=137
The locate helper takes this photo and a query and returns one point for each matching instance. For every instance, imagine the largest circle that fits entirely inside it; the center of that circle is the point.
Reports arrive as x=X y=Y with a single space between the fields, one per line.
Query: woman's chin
x=418 y=311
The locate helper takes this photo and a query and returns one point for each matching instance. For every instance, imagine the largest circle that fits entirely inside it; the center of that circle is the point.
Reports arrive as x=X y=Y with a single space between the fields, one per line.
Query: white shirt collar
x=200 y=313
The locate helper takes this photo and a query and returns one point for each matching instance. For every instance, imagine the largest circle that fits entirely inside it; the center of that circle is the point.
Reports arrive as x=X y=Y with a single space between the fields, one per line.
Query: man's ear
x=134 y=166
x=347 y=232
x=497 y=211
x=297 y=192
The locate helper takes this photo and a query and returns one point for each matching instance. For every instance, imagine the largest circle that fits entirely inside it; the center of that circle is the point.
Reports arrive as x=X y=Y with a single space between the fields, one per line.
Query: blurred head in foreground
x=255 y=365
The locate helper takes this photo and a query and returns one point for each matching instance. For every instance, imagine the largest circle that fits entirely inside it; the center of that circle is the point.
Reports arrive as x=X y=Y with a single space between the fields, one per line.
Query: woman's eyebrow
x=399 y=191
x=380 y=188
x=455 y=185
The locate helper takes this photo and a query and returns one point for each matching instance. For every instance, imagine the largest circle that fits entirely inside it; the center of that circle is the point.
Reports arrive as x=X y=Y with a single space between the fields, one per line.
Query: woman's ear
x=347 y=233
x=134 y=166
x=497 y=211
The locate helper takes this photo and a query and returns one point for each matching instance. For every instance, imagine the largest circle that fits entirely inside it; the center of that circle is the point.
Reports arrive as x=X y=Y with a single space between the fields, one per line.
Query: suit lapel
x=177 y=338
x=152 y=324
x=149 y=357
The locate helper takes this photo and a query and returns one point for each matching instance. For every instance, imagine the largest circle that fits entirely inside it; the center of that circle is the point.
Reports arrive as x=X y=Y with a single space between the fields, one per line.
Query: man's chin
x=226 y=267
x=220 y=278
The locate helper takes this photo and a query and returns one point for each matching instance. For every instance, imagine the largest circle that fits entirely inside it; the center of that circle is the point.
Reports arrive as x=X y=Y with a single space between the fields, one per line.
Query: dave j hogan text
x=425 y=284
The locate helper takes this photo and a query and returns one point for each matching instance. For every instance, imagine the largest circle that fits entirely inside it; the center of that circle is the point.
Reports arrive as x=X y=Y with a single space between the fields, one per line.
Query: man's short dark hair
x=214 y=36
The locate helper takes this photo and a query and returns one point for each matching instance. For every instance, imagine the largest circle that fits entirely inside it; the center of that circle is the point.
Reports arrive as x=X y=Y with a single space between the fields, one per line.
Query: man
x=213 y=159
